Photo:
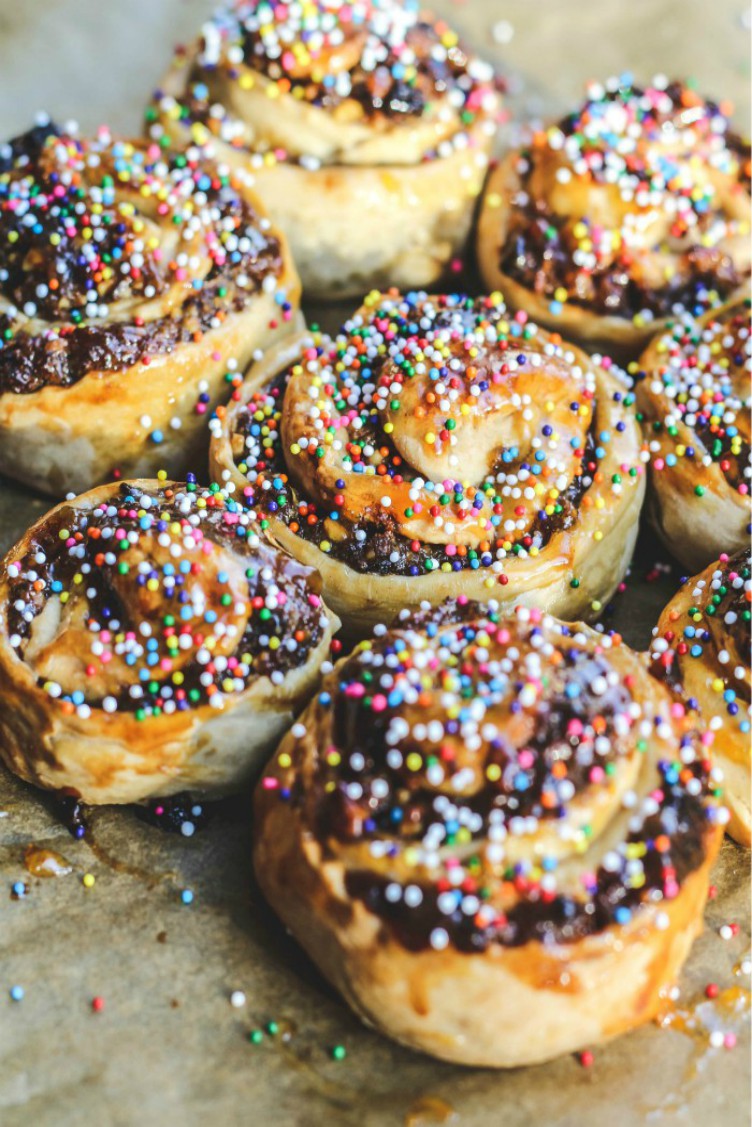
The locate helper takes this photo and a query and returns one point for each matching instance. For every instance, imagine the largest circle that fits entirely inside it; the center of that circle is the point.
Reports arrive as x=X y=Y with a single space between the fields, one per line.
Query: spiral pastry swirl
x=367 y=128
x=439 y=445
x=493 y=834
x=701 y=648
x=131 y=282
x=695 y=398
x=633 y=208
x=151 y=642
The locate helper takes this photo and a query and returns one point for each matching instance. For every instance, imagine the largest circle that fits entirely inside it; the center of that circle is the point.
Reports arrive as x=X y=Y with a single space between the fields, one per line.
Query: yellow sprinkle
x=88 y=880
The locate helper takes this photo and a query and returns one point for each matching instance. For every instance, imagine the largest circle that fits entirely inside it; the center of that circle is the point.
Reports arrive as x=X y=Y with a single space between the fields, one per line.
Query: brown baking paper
x=162 y=1043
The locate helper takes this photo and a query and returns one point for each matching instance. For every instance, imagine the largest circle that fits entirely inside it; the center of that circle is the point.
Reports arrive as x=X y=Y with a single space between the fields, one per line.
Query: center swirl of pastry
x=360 y=75
x=108 y=230
x=157 y=601
x=455 y=425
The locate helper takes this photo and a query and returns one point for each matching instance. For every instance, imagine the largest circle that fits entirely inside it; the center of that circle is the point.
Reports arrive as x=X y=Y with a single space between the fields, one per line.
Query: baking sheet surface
x=167 y=1046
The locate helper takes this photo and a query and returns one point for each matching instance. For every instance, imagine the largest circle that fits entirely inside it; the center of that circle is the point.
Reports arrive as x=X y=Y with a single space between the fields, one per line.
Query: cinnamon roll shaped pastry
x=493 y=835
x=701 y=647
x=366 y=127
x=151 y=642
x=134 y=285
x=438 y=446
x=633 y=208
x=695 y=396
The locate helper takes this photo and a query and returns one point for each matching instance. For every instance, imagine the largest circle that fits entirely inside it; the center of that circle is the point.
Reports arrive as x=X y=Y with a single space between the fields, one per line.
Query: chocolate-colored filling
x=400 y=811
x=73 y=346
x=358 y=730
x=378 y=91
x=715 y=605
x=536 y=256
x=385 y=550
x=105 y=604
x=558 y=918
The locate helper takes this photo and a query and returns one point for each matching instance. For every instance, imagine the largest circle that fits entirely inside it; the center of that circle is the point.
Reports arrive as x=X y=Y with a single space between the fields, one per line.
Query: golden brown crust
x=701 y=647
x=367 y=196
x=362 y=898
x=572 y=575
x=699 y=497
x=592 y=229
x=613 y=334
x=125 y=386
x=102 y=749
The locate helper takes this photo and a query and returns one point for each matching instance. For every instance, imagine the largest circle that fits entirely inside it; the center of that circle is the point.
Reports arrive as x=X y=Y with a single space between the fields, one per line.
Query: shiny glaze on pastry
x=366 y=129
x=135 y=613
x=701 y=647
x=695 y=397
x=435 y=436
x=134 y=283
x=489 y=801
x=629 y=210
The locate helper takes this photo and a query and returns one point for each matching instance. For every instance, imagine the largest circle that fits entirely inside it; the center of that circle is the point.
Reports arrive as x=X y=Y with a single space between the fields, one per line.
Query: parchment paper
x=167 y=1046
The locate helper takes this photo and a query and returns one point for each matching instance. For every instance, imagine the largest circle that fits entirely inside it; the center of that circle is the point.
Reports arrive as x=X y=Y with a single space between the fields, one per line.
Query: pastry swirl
x=493 y=834
x=133 y=283
x=701 y=648
x=695 y=397
x=633 y=208
x=366 y=127
x=151 y=642
x=438 y=445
